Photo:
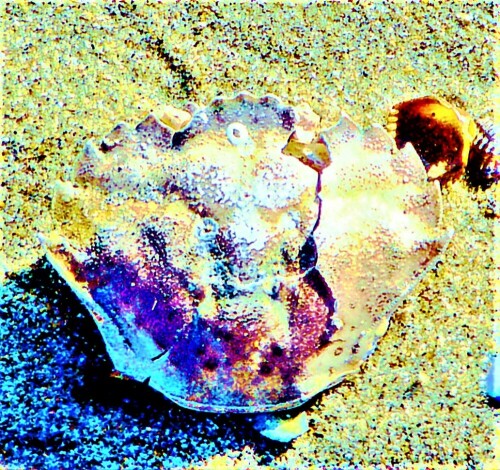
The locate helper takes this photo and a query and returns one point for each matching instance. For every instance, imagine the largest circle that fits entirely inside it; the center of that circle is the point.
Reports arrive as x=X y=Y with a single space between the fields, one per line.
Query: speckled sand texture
x=72 y=71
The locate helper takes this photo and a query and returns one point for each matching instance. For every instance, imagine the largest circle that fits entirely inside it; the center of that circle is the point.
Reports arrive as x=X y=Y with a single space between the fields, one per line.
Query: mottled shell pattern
x=239 y=257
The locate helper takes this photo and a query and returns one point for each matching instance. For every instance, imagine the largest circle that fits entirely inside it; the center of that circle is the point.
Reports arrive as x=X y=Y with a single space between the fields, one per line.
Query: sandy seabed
x=74 y=70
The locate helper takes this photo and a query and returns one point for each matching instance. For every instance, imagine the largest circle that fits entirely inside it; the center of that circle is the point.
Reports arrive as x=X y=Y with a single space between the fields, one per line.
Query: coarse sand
x=74 y=69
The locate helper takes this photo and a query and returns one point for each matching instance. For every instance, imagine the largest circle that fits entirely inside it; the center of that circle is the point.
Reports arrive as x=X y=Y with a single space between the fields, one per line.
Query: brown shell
x=246 y=261
x=448 y=140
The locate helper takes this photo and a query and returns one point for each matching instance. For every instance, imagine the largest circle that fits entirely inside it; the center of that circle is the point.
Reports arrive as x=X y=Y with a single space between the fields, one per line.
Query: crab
x=239 y=258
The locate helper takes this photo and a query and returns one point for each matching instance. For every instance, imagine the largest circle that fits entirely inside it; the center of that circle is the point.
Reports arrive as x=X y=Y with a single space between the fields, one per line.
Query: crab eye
x=237 y=134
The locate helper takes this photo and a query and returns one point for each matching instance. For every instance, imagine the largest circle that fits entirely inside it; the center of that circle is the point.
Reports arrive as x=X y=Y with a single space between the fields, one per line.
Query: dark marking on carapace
x=265 y=368
x=317 y=282
x=211 y=363
x=308 y=254
x=157 y=241
x=224 y=258
x=276 y=350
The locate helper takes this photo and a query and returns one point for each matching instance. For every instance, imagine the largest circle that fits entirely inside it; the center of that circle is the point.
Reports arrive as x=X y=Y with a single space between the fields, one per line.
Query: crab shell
x=246 y=261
